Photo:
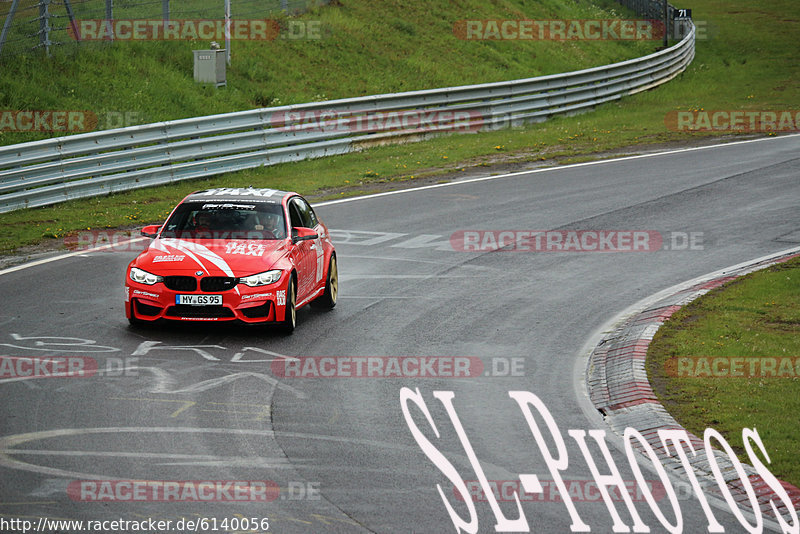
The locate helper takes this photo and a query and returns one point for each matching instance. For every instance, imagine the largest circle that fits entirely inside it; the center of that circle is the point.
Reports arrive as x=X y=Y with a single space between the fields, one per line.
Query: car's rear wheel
x=290 y=319
x=328 y=299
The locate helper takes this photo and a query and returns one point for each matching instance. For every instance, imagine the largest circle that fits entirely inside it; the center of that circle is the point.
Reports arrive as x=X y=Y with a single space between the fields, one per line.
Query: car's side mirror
x=303 y=234
x=151 y=230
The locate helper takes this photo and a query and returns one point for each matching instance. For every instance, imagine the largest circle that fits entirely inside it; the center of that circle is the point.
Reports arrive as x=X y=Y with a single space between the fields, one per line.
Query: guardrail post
x=7 y=25
x=165 y=9
x=72 y=23
x=44 y=25
x=228 y=31
x=110 y=18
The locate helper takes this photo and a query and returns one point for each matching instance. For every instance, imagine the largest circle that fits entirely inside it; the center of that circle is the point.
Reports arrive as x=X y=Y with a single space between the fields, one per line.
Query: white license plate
x=199 y=300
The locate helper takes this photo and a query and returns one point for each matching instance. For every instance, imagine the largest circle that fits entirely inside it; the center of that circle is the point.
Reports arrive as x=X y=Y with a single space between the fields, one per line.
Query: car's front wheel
x=328 y=299
x=132 y=320
x=290 y=318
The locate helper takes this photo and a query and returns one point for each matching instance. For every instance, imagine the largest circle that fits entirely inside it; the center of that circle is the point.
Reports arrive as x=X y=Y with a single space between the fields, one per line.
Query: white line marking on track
x=212 y=383
x=268 y=462
x=81 y=254
x=389 y=258
x=547 y=169
x=379 y=297
x=7 y=444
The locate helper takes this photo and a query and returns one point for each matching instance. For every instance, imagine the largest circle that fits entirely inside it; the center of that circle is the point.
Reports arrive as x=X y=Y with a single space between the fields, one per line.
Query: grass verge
x=756 y=316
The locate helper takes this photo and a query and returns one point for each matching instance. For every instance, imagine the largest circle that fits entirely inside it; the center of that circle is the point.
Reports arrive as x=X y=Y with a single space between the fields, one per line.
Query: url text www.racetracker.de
x=145 y=526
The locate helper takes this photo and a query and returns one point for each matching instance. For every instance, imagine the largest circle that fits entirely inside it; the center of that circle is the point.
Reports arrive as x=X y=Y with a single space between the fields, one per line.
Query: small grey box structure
x=209 y=67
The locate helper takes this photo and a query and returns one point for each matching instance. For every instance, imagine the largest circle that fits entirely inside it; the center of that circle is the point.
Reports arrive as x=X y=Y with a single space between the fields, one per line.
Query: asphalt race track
x=205 y=403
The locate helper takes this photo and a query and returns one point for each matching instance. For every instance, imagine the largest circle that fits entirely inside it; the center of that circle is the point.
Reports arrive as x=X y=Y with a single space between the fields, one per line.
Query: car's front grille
x=211 y=284
x=257 y=311
x=183 y=310
x=146 y=309
x=180 y=283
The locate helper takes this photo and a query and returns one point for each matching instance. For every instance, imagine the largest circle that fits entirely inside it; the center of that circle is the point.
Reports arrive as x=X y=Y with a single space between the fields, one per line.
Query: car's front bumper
x=251 y=305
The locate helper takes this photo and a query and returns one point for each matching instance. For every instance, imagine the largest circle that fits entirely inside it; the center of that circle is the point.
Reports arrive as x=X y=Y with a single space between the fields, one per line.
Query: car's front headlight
x=143 y=277
x=261 y=279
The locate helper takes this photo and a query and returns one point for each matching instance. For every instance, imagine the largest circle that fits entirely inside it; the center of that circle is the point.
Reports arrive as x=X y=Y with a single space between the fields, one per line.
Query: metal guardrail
x=46 y=172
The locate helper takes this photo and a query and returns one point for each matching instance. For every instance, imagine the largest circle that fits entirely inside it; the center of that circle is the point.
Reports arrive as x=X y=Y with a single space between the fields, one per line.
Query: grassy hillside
x=365 y=47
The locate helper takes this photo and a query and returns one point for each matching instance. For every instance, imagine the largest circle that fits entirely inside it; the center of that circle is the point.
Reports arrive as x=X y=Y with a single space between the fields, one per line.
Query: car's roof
x=234 y=194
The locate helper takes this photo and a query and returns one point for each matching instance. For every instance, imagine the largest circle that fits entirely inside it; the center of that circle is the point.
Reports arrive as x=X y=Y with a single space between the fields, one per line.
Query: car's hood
x=215 y=257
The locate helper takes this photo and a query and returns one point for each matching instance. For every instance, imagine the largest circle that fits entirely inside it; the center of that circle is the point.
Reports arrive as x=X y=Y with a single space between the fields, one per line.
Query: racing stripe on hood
x=190 y=247
x=161 y=244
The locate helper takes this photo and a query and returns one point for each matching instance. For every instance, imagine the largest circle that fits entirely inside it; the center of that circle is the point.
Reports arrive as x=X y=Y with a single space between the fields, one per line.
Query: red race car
x=249 y=255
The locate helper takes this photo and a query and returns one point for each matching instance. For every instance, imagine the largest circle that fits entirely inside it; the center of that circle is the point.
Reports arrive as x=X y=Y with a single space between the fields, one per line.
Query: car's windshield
x=226 y=220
